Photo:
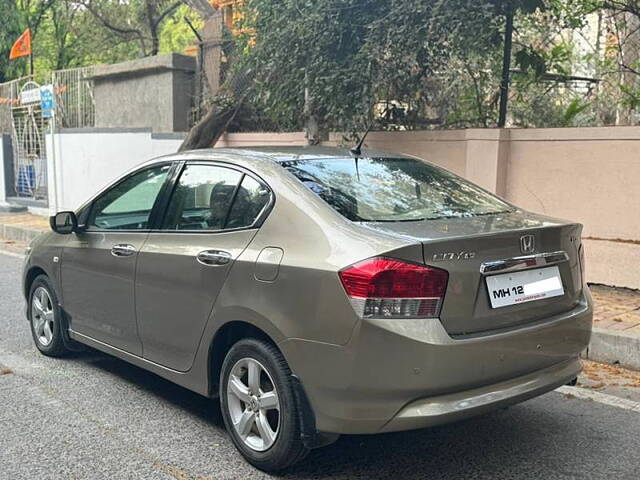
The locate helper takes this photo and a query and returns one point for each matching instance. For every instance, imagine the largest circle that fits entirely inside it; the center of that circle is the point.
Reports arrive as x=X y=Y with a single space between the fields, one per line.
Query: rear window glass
x=393 y=189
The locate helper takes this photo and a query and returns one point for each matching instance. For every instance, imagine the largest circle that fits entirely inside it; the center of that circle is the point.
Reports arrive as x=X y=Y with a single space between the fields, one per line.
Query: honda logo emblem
x=527 y=244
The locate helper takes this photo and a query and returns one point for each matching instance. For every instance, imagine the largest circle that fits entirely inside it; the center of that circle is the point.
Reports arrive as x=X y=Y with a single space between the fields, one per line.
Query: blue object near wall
x=26 y=180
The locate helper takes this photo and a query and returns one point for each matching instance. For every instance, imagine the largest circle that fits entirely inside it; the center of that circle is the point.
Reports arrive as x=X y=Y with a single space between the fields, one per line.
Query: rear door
x=212 y=215
x=98 y=264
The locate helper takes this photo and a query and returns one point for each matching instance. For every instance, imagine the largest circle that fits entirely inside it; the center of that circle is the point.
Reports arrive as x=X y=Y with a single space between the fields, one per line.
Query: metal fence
x=8 y=98
x=75 y=106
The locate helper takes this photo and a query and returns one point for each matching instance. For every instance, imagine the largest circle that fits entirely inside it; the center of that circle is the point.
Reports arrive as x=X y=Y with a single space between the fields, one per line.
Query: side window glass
x=250 y=200
x=128 y=205
x=201 y=198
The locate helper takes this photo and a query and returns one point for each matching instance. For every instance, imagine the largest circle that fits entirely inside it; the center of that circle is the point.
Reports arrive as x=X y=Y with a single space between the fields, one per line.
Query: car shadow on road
x=526 y=434
x=202 y=407
x=505 y=444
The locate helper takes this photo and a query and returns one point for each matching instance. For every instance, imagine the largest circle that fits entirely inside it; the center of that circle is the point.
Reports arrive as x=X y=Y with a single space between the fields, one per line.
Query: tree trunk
x=213 y=125
x=210 y=128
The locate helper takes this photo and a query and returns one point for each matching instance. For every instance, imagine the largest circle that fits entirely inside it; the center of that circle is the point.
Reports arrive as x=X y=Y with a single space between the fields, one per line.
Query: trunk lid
x=462 y=245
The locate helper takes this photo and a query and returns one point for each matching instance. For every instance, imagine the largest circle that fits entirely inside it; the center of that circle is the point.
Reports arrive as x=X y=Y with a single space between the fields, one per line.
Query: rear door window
x=213 y=198
x=202 y=198
x=252 y=198
x=393 y=189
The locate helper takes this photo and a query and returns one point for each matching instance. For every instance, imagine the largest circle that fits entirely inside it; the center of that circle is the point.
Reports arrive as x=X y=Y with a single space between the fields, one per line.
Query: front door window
x=128 y=205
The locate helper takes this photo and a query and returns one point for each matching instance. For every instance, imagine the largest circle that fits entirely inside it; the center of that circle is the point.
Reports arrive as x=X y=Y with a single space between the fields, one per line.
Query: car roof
x=288 y=153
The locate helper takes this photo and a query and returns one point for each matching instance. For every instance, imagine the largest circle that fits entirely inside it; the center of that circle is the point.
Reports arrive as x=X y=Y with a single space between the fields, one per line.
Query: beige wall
x=255 y=139
x=444 y=148
x=590 y=175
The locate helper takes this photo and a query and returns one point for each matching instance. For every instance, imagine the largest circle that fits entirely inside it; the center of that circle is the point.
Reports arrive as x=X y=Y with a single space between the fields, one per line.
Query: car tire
x=253 y=415
x=45 y=318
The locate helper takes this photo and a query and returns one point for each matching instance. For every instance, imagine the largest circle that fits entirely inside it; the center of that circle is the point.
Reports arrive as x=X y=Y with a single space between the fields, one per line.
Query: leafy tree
x=12 y=27
x=342 y=60
x=176 y=35
x=74 y=33
x=136 y=20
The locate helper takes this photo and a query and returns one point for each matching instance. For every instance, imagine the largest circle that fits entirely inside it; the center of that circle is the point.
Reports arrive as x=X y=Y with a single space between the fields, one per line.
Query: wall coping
x=144 y=66
x=507 y=134
x=575 y=134
x=169 y=135
x=409 y=135
x=103 y=130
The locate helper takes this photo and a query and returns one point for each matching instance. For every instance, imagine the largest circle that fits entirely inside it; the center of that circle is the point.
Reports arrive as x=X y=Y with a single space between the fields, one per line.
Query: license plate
x=521 y=287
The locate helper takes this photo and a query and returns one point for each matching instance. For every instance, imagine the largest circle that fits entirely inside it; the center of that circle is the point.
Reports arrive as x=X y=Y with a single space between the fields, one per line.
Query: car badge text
x=439 y=257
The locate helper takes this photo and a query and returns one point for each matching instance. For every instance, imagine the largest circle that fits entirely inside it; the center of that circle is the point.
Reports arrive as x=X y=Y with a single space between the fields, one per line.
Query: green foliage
x=530 y=59
x=347 y=56
x=412 y=64
x=73 y=33
x=175 y=35
x=575 y=108
x=12 y=27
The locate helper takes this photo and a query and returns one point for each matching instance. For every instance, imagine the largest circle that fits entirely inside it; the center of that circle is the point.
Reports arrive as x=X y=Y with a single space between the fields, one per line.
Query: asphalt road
x=94 y=417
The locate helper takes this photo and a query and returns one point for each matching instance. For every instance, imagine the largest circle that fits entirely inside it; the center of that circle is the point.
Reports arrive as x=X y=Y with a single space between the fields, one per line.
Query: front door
x=98 y=264
x=210 y=220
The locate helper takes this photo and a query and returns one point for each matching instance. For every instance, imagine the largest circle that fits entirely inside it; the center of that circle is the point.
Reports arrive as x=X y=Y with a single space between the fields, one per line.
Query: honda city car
x=315 y=291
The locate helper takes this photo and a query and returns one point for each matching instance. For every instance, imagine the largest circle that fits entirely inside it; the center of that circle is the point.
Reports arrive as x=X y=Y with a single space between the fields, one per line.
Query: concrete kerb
x=19 y=234
x=610 y=346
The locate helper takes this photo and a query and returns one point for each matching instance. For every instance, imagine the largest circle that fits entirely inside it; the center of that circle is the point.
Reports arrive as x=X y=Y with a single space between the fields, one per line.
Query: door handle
x=213 y=258
x=123 y=250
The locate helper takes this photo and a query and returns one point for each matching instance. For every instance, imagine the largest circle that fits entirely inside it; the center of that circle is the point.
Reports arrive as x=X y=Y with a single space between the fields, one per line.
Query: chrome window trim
x=523 y=263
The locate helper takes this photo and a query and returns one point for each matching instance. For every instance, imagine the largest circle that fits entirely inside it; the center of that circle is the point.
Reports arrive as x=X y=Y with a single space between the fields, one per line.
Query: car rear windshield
x=393 y=189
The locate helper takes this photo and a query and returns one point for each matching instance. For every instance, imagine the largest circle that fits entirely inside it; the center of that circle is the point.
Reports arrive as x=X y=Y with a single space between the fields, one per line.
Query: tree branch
x=167 y=12
x=108 y=24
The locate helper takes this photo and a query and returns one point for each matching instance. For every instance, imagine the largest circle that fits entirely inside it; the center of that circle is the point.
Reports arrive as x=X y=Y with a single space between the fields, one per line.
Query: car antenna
x=357 y=150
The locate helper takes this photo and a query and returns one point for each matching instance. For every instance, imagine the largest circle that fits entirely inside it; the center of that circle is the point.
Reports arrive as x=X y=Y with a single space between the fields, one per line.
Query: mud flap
x=311 y=438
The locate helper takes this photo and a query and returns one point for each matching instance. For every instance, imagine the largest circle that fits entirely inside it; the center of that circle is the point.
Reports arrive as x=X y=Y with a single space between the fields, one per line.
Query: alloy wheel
x=253 y=403
x=42 y=316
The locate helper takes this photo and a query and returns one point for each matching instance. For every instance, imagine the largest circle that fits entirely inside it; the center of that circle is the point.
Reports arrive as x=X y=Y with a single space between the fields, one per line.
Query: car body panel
x=361 y=376
x=175 y=293
x=40 y=256
x=98 y=287
x=359 y=387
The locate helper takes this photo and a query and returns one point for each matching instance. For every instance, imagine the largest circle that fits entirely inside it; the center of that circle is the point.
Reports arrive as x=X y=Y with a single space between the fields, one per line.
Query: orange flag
x=22 y=47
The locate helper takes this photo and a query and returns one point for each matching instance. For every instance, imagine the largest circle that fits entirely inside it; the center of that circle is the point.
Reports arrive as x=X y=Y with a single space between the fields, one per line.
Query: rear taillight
x=388 y=288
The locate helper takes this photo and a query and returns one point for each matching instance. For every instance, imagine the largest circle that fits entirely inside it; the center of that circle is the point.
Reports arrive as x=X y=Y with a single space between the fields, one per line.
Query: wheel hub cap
x=42 y=316
x=253 y=404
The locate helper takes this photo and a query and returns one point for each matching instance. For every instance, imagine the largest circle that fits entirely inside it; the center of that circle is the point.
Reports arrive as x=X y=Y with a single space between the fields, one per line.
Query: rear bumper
x=431 y=411
x=407 y=374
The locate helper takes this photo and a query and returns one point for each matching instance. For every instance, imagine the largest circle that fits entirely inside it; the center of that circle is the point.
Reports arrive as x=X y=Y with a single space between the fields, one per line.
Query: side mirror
x=64 y=223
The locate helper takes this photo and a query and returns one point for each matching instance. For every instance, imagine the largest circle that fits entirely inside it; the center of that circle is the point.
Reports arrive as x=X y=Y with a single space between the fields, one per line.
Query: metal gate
x=21 y=115
x=29 y=152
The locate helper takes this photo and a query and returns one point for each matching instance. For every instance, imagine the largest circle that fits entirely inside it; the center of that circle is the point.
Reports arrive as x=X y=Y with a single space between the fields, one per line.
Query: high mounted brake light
x=383 y=287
